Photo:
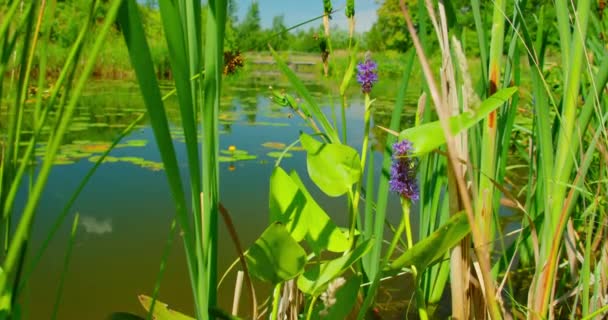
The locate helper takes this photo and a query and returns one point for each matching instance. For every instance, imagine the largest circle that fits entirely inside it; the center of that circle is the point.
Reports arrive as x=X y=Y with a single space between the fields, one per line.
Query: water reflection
x=95 y=225
x=130 y=205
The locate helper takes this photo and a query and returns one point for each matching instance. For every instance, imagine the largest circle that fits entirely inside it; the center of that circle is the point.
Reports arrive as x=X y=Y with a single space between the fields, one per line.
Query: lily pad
x=133 y=143
x=268 y=124
x=96 y=147
x=278 y=154
x=273 y=145
x=236 y=152
x=237 y=158
x=62 y=161
x=108 y=159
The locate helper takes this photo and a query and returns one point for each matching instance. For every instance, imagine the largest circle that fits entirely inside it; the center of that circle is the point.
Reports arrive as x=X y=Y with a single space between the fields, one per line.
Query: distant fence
x=297 y=66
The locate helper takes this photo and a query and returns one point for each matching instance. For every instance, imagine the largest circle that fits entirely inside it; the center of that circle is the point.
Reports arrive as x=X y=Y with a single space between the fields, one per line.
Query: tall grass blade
x=64 y=272
x=139 y=53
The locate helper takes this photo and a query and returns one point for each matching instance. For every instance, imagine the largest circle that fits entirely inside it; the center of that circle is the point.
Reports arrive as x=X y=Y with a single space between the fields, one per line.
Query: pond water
x=126 y=210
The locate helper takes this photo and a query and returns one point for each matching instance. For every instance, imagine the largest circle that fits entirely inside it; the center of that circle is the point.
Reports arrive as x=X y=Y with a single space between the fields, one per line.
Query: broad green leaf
x=275 y=257
x=291 y=204
x=434 y=247
x=429 y=136
x=346 y=297
x=333 y=167
x=314 y=281
x=161 y=310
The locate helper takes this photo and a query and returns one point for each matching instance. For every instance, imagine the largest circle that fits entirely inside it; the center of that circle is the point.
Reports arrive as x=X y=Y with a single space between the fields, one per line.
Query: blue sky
x=296 y=11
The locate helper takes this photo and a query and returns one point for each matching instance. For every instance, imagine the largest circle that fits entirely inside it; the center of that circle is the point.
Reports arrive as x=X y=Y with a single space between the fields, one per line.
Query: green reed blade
x=544 y=279
x=163 y=266
x=311 y=105
x=21 y=234
x=141 y=60
x=64 y=78
x=187 y=94
x=211 y=91
x=66 y=262
x=68 y=206
x=372 y=260
x=483 y=46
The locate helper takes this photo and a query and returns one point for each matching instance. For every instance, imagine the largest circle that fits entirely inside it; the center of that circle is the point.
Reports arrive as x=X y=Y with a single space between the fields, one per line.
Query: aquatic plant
x=367 y=74
x=403 y=172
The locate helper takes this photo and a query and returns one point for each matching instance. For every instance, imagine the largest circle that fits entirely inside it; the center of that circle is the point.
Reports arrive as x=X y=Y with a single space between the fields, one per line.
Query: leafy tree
x=250 y=29
x=278 y=36
x=390 y=32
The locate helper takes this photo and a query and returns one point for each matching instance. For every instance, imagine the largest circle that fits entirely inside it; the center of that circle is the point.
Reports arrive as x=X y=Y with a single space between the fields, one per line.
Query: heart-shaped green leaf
x=434 y=247
x=333 y=167
x=292 y=205
x=276 y=256
x=314 y=281
x=429 y=136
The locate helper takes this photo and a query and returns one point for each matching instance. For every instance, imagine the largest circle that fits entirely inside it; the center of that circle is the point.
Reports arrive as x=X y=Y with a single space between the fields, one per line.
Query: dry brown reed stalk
x=443 y=111
x=237 y=243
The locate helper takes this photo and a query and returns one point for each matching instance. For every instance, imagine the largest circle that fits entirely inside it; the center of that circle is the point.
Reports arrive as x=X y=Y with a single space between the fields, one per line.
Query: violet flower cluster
x=367 y=74
x=403 y=171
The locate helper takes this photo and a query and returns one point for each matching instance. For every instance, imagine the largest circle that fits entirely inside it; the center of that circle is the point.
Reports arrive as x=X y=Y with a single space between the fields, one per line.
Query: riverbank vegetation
x=503 y=165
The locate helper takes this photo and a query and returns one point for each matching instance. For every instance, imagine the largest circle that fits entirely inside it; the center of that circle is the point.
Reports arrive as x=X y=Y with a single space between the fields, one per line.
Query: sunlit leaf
x=429 y=136
x=333 y=167
x=291 y=204
x=432 y=248
x=161 y=310
x=275 y=256
x=314 y=281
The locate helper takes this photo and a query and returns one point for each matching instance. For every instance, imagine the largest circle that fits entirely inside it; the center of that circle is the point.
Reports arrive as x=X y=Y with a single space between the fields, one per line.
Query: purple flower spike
x=367 y=74
x=403 y=171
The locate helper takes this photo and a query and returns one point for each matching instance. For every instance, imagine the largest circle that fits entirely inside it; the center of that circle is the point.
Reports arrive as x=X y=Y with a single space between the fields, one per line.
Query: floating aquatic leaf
x=133 y=143
x=108 y=159
x=277 y=115
x=228 y=116
x=78 y=127
x=242 y=157
x=277 y=154
x=96 y=147
x=268 y=124
x=81 y=142
x=236 y=152
x=273 y=145
x=62 y=161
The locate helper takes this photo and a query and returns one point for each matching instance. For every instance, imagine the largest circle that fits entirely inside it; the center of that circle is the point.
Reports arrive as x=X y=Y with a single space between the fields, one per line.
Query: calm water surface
x=126 y=209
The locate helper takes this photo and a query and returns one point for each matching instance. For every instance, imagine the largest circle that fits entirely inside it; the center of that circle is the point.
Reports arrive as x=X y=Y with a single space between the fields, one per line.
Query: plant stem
x=355 y=199
x=275 y=302
x=420 y=300
x=311 y=307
